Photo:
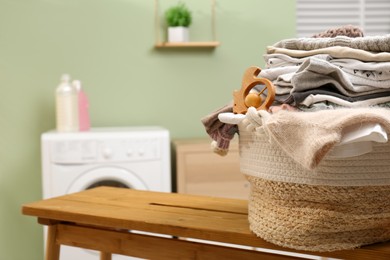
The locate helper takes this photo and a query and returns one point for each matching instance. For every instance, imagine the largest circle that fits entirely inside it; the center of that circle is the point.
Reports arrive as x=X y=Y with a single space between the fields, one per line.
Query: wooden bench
x=100 y=219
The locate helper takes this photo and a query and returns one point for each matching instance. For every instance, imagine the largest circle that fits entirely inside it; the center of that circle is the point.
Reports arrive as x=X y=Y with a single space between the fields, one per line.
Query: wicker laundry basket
x=332 y=207
x=339 y=204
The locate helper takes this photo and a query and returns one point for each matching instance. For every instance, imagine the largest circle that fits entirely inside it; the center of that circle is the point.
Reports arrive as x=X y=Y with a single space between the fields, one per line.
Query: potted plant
x=178 y=19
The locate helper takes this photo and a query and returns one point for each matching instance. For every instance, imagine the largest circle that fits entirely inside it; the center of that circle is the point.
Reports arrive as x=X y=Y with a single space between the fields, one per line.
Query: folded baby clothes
x=335 y=52
x=368 y=43
x=221 y=133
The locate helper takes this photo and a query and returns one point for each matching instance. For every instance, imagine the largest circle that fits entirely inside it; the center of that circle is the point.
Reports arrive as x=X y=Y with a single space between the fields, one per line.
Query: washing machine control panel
x=112 y=150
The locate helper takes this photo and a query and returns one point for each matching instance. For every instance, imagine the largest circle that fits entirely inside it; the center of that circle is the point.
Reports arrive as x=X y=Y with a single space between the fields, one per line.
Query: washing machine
x=127 y=157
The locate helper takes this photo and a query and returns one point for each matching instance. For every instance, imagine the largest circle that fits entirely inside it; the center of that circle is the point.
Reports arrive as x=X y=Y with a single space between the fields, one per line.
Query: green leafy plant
x=178 y=15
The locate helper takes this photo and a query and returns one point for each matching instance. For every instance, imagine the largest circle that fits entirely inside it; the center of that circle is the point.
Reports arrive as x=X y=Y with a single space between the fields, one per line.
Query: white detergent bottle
x=83 y=107
x=67 y=106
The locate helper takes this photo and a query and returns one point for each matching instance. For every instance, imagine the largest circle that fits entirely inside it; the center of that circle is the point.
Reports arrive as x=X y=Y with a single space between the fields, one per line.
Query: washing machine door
x=101 y=176
x=107 y=176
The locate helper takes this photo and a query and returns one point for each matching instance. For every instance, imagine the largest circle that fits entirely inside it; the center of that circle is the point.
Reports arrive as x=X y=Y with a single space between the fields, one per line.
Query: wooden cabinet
x=200 y=171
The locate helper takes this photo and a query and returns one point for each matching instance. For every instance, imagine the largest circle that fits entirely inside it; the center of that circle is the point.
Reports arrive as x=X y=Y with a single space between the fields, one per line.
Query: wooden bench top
x=179 y=215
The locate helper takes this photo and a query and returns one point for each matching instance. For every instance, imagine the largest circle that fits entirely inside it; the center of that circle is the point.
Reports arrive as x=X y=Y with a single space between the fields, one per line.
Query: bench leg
x=105 y=256
x=52 y=248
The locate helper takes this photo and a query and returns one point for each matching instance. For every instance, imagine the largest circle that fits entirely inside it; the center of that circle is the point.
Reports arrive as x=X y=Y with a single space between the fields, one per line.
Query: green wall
x=108 y=45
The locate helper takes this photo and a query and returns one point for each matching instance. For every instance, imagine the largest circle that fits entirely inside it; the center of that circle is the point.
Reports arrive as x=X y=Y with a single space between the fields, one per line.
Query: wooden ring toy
x=241 y=99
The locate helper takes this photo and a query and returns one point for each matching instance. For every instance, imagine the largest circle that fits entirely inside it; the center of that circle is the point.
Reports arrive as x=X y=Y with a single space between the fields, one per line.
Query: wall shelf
x=187 y=44
x=204 y=44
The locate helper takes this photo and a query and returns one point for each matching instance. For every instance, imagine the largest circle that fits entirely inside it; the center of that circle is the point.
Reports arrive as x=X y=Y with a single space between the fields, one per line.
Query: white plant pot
x=178 y=34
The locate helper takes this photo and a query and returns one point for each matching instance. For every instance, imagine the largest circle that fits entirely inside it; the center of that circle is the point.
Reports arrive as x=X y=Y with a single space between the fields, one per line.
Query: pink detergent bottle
x=84 y=122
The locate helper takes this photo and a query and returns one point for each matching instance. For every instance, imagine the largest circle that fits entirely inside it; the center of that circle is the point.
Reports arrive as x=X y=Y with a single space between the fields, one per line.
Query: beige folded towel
x=308 y=136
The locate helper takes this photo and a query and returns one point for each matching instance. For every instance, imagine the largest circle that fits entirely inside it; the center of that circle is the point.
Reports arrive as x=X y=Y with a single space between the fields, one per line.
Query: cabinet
x=200 y=171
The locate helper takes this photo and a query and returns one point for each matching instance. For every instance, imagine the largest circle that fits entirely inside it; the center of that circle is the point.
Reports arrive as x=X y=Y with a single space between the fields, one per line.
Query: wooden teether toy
x=243 y=99
x=253 y=100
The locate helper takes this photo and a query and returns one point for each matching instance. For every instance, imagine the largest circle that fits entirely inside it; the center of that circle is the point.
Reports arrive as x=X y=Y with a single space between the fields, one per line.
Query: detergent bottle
x=83 y=107
x=67 y=106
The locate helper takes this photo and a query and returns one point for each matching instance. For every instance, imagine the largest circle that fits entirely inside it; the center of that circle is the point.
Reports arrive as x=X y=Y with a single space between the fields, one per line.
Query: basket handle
x=249 y=81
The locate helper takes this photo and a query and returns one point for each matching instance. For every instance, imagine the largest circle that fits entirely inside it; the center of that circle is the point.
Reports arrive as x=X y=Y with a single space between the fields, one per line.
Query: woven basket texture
x=343 y=204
